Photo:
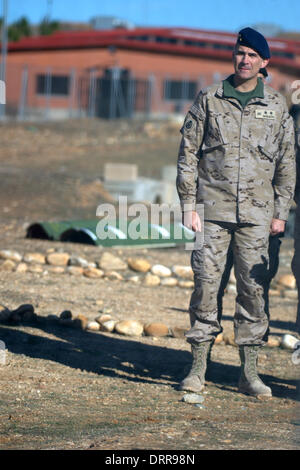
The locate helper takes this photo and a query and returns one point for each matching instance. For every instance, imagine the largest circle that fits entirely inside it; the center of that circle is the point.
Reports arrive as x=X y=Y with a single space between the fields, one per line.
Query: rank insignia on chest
x=265 y=114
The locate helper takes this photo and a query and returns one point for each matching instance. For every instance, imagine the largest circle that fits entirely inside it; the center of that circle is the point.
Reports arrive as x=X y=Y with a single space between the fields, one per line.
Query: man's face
x=247 y=62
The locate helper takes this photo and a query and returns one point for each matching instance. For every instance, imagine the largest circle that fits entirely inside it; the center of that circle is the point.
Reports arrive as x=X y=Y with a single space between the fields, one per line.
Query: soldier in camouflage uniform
x=296 y=257
x=237 y=159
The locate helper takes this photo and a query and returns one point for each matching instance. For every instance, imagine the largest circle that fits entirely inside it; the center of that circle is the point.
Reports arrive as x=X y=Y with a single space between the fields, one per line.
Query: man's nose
x=245 y=58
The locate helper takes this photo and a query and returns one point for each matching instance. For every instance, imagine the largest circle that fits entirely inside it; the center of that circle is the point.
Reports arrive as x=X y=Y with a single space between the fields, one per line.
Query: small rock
x=23 y=308
x=106 y=322
x=287 y=280
x=113 y=276
x=228 y=338
x=93 y=272
x=178 y=332
x=134 y=279
x=21 y=268
x=91 y=264
x=35 y=268
x=75 y=270
x=169 y=281
x=219 y=338
x=8 y=265
x=273 y=342
x=11 y=255
x=93 y=326
x=185 y=272
x=151 y=280
x=129 y=328
x=110 y=262
x=108 y=325
x=56 y=269
x=38 y=258
x=156 y=329
x=186 y=284
x=139 y=264
x=65 y=315
x=80 y=321
x=77 y=261
x=103 y=318
x=193 y=398
x=289 y=342
x=58 y=259
x=161 y=271
x=231 y=289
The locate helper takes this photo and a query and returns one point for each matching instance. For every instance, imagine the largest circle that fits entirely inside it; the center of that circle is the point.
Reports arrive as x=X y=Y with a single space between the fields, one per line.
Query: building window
x=53 y=85
x=179 y=90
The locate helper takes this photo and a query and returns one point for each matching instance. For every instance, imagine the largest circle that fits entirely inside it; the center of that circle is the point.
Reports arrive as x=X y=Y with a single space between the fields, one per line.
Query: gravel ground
x=65 y=388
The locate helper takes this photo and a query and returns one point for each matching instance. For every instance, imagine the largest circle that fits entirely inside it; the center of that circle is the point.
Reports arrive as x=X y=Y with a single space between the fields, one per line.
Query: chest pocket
x=264 y=131
x=215 y=134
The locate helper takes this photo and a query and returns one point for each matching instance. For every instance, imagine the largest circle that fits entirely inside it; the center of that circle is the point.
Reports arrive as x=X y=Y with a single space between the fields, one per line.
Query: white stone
x=169 y=281
x=11 y=255
x=151 y=280
x=78 y=261
x=185 y=272
x=38 y=258
x=192 y=398
x=139 y=264
x=231 y=289
x=111 y=262
x=289 y=341
x=93 y=326
x=134 y=279
x=161 y=270
x=108 y=325
x=129 y=328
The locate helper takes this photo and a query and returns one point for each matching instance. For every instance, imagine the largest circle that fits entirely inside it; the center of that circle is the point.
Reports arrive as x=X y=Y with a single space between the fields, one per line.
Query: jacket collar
x=258 y=99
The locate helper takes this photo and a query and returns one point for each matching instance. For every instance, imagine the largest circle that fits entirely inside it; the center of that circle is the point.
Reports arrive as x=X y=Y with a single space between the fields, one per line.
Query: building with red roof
x=122 y=72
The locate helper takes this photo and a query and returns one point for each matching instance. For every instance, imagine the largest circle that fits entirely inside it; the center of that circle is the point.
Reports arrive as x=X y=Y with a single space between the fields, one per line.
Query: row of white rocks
x=133 y=269
x=109 y=266
x=106 y=323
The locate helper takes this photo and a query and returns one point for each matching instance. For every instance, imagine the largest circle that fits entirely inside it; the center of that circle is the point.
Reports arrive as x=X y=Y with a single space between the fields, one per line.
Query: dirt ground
x=64 y=388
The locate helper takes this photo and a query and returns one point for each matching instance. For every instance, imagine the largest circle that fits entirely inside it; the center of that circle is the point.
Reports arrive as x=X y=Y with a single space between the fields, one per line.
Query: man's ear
x=265 y=63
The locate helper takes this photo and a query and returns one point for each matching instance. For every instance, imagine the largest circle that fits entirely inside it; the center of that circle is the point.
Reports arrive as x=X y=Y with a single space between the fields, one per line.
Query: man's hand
x=277 y=226
x=191 y=220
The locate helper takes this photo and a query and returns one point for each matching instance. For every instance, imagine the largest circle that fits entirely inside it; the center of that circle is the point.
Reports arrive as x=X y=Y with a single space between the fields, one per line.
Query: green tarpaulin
x=112 y=234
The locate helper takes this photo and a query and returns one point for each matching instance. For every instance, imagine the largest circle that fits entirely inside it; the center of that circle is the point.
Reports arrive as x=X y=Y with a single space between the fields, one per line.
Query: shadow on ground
x=121 y=358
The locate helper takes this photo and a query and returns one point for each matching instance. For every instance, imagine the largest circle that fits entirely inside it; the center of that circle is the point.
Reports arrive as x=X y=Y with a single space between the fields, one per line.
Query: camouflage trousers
x=249 y=244
x=296 y=263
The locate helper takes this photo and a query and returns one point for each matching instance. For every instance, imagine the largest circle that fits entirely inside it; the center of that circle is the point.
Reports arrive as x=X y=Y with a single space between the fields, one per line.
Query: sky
x=220 y=15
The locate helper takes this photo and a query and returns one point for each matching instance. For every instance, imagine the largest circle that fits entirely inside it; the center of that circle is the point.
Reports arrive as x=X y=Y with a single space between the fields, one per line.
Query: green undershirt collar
x=229 y=91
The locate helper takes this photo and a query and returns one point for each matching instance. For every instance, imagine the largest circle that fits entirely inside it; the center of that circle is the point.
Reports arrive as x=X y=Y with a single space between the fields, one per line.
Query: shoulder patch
x=188 y=124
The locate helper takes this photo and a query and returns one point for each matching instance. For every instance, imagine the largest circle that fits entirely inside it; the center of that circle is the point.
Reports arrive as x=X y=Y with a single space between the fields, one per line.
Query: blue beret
x=256 y=41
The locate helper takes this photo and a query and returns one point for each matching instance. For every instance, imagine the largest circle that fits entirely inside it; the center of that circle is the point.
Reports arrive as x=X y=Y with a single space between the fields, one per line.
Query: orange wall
x=141 y=65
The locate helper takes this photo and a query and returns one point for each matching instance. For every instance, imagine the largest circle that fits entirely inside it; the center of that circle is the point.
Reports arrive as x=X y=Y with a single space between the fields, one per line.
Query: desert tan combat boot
x=250 y=382
x=194 y=381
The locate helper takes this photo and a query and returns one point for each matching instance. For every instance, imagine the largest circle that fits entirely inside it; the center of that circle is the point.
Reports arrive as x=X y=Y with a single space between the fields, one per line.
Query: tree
x=47 y=27
x=18 y=29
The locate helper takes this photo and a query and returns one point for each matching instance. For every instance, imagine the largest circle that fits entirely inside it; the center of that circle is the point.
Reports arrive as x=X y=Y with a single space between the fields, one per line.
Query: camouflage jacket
x=238 y=162
x=297 y=190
